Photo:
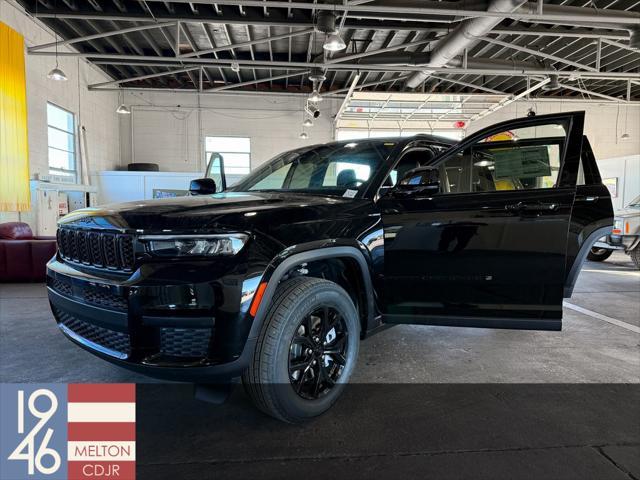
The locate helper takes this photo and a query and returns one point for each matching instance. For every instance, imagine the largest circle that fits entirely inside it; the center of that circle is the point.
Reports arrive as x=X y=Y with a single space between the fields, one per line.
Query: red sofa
x=23 y=257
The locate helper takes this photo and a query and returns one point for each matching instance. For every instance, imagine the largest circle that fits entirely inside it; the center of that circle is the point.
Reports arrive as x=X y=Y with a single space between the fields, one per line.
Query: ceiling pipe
x=584 y=17
x=463 y=37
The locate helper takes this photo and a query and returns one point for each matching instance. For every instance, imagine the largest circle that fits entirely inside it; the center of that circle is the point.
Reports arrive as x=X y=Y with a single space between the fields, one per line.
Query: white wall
x=95 y=111
x=604 y=125
x=168 y=127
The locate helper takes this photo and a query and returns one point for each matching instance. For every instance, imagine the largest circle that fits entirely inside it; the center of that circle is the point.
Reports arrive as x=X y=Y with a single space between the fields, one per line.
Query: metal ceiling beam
x=469 y=85
x=370 y=84
x=99 y=35
x=347 y=98
x=560 y=32
x=616 y=18
x=142 y=77
x=374 y=52
x=450 y=9
x=132 y=59
x=530 y=51
x=253 y=82
x=510 y=100
x=222 y=48
x=590 y=92
x=618 y=44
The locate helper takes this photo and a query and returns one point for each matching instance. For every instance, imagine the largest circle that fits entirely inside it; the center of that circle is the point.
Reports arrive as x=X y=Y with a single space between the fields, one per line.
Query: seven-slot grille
x=110 y=250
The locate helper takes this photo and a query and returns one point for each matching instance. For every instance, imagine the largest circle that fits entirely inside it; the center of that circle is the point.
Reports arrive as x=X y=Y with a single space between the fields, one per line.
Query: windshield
x=343 y=169
x=635 y=202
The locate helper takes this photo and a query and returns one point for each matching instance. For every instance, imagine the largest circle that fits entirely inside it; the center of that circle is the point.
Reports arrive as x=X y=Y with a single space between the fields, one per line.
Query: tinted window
x=332 y=169
x=521 y=159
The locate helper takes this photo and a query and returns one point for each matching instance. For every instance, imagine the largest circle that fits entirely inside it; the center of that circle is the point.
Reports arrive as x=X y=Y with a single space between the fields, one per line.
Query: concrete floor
x=427 y=402
x=588 y=349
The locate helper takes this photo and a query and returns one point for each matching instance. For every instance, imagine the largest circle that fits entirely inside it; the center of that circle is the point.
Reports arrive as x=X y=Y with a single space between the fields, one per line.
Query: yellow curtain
x=14 y=150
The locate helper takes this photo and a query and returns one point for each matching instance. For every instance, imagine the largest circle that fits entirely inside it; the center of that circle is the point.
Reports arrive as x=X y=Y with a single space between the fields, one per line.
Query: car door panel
x=494 y=259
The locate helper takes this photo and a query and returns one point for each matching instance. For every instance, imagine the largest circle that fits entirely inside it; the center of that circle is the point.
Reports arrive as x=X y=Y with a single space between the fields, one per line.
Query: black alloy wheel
x=318 y=352
x=306 y=351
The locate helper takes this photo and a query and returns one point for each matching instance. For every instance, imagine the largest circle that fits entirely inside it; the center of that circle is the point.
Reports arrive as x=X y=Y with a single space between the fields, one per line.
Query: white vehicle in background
x=624 y=236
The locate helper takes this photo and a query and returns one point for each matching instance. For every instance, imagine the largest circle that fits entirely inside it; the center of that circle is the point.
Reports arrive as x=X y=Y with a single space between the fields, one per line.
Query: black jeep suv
x=278 y=278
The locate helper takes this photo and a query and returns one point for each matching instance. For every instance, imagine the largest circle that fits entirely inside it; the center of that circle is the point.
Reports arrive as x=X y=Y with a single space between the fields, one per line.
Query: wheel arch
x=580 y=258
x=294 y=257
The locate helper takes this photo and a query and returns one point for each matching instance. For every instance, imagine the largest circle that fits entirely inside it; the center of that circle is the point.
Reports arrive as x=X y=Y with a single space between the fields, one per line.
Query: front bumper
x=171 y=330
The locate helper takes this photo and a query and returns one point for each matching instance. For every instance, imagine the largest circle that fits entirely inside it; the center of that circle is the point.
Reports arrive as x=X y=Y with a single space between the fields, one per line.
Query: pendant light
x=56 y=73
x=122 y=109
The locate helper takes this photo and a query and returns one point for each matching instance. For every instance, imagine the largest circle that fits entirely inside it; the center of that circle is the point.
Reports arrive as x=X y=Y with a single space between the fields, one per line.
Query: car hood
x=222 y=211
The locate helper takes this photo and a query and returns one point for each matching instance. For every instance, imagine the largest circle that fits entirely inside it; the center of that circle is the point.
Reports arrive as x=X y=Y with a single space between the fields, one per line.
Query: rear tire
x=597 y=254
x=297 y=349
x=635 y=256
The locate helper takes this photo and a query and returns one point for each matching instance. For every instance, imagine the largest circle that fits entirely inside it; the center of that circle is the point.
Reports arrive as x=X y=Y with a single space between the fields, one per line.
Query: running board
x=476 y=322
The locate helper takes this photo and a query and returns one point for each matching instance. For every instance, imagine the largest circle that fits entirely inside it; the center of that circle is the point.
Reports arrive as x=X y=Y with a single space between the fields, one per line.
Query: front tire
x=597 y=254
x=306 y=351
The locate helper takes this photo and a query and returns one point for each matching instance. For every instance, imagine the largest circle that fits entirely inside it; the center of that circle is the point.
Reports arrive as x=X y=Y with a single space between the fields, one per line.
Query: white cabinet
x=124 y=186
x=50 y=201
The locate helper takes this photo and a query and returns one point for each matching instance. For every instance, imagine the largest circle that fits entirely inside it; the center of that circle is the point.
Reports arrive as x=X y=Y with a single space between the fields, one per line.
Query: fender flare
x=310 y=256
x=581 y=257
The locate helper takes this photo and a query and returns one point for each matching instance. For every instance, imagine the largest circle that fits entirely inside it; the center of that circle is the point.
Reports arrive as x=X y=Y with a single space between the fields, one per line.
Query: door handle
x=587 y=198
x=522 y=207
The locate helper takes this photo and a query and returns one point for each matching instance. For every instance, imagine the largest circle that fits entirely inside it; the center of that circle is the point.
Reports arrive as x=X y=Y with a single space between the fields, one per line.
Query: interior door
x=489 y=249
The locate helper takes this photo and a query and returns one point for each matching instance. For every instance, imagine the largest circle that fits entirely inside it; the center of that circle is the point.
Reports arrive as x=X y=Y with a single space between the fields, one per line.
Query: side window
x=521 y=159
x=409 y=161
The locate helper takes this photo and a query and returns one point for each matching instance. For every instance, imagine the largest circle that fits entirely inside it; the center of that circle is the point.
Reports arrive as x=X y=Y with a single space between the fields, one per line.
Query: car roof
x=382 y=140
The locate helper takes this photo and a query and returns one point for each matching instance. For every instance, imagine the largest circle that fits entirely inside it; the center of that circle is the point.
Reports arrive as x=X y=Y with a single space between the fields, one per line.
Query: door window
x=520 y=159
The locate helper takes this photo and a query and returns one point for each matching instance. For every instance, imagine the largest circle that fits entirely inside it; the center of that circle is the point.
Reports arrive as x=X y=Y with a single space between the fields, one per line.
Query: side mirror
x=421 y=180
x=202 y=186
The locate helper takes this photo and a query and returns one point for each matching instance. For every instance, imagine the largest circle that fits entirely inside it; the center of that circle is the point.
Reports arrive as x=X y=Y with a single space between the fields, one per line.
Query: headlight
x=196 y=245
x=617 y=226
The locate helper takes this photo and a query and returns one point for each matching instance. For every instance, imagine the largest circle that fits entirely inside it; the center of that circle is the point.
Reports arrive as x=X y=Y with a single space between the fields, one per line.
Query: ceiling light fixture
x=122 y=109
x=304 y=135
x=235 y=67
x=326 y=23
x=334 y=43
x=56 y=73
x=307 y=123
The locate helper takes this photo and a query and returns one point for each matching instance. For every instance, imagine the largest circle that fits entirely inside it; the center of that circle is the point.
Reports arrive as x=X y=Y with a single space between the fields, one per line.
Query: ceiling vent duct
x=463 y=37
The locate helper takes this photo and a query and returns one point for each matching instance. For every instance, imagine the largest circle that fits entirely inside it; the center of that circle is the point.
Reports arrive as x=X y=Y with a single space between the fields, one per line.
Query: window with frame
x=235 y=152
x=522 y=159
x=61 y=141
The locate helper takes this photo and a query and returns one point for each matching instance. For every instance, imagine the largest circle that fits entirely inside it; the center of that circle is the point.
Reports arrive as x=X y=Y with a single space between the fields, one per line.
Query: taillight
x=626 y=227
x=617 y=226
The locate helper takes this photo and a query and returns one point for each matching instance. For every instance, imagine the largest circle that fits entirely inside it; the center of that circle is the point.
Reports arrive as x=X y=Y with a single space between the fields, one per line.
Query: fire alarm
x=459 y=124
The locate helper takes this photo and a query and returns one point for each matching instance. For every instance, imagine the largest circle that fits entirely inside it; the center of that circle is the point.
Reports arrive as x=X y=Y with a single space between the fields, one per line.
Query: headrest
x=346 y=177
x=15 y=231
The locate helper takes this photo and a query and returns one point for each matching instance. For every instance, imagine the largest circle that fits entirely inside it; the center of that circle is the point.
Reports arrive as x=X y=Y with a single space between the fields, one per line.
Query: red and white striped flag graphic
x=102 y=431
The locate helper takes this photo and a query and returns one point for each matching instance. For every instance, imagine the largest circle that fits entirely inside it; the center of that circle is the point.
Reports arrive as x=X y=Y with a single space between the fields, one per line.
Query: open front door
x=487 y=247
x=215 y=170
